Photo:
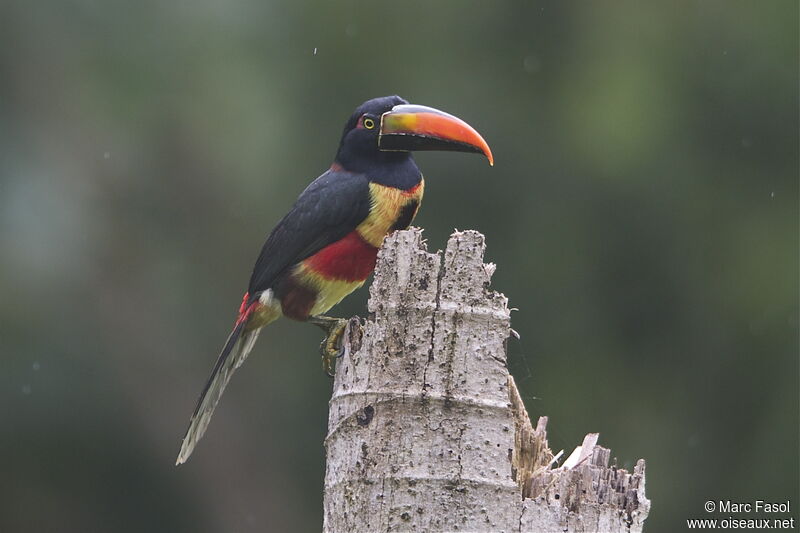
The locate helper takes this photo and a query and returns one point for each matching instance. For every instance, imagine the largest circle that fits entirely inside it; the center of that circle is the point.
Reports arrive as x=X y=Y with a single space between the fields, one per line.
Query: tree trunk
x=426 y=430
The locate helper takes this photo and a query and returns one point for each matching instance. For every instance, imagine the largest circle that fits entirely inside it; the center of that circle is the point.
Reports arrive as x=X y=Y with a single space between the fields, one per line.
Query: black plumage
x=330 y=208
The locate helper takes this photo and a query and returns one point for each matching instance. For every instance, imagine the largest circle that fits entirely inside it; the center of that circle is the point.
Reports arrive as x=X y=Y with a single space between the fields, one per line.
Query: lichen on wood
x=426 y=430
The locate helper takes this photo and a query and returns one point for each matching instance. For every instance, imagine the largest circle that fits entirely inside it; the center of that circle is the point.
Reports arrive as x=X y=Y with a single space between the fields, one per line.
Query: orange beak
x=409 y=127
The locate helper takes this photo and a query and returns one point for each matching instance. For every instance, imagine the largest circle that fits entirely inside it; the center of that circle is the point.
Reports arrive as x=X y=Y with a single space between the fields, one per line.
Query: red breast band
x=348 y=259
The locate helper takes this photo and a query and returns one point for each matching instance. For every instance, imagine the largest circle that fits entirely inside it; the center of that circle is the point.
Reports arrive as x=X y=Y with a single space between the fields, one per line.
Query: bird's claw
x=331 y=348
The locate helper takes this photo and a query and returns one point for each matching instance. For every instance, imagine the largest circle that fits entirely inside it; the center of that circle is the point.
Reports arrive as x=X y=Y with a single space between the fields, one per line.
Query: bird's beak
x=409 y=127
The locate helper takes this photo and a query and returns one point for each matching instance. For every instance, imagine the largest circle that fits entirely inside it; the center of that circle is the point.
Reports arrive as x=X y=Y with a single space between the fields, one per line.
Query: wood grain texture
x=426 y=430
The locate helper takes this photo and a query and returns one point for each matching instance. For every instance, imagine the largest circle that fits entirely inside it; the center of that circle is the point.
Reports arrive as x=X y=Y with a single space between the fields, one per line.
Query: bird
x=326 y=246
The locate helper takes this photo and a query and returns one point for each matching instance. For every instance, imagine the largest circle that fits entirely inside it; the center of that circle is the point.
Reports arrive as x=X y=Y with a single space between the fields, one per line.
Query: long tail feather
x=233 y=354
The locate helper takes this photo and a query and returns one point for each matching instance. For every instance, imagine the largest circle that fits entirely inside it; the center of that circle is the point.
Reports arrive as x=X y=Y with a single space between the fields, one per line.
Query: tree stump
x=426 y=429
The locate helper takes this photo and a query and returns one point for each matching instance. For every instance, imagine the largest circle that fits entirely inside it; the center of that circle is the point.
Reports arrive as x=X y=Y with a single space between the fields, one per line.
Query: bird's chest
x=390 y=209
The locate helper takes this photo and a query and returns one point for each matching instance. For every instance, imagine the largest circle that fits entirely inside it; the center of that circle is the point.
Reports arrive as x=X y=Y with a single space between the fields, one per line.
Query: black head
x=382 y=132
x=358 y=149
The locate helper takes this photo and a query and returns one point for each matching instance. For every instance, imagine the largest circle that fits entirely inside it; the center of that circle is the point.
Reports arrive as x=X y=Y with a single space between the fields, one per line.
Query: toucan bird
x=326 y=245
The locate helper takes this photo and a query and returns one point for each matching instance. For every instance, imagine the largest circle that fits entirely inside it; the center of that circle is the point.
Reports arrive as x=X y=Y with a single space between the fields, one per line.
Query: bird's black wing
x=330 y=208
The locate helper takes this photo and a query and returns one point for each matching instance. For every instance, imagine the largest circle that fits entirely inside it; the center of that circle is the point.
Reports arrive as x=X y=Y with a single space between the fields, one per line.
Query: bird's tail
x=235 y=351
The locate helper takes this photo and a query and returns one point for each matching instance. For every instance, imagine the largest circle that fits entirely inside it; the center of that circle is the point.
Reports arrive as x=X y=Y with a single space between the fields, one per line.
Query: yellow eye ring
x=369 y=123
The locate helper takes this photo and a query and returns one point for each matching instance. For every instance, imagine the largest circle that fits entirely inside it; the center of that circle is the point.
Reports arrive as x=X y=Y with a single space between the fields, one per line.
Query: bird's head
x=388 y=128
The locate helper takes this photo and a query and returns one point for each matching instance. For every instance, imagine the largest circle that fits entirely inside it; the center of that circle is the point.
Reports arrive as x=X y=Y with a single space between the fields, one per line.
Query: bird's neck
x=392 y=169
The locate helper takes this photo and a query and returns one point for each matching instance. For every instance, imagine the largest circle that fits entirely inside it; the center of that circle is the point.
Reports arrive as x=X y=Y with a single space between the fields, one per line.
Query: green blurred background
x=643 y=213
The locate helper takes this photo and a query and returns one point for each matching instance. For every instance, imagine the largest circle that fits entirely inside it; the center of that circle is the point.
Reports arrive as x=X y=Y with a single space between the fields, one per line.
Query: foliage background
x=643 y=212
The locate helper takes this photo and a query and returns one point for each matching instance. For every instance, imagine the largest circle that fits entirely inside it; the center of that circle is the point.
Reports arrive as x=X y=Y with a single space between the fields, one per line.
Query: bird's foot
x=331 y=348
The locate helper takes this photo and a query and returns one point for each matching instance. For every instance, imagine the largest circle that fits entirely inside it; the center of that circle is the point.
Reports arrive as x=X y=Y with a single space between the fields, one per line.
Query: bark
x=426 y=429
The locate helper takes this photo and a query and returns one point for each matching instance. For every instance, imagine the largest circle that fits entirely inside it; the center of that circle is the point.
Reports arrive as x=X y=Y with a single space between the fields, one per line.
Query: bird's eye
x=369 y=123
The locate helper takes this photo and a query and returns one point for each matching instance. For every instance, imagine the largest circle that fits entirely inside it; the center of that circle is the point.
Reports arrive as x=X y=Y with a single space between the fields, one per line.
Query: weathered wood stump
x=426 y=430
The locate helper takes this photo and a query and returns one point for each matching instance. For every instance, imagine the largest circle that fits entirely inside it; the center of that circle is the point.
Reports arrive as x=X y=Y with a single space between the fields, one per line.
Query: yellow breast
x=390 y=206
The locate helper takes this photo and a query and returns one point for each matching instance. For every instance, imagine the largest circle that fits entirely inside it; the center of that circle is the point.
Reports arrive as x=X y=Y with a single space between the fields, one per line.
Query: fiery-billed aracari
x=326 y=245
